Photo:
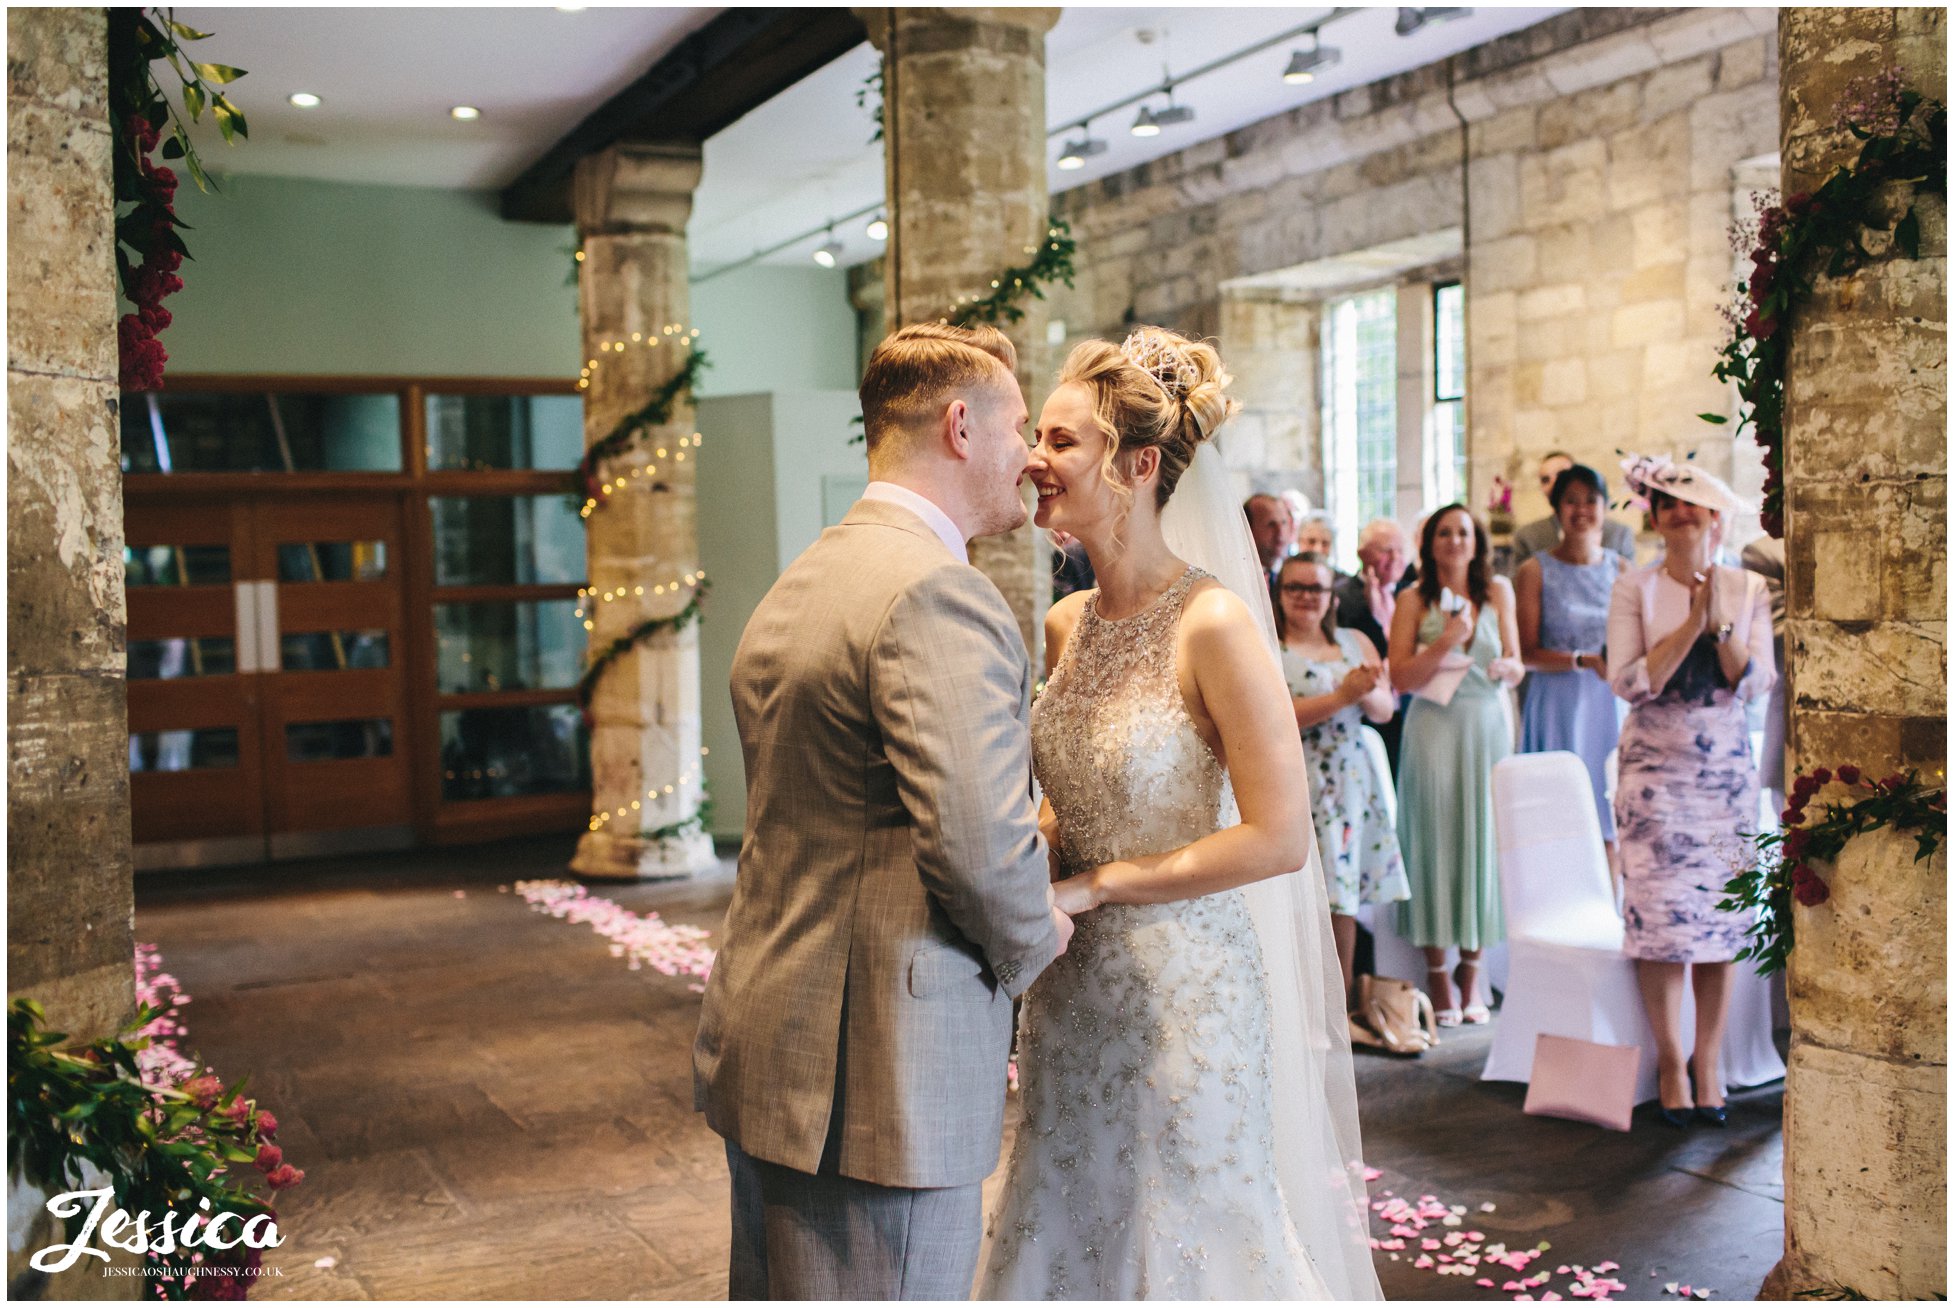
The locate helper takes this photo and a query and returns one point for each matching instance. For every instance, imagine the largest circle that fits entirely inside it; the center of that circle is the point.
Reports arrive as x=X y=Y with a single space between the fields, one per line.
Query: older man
x=1542 y=534
x=1274 y=528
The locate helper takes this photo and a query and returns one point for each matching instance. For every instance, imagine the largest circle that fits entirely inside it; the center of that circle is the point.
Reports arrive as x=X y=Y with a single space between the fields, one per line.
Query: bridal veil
x=1314 y=1094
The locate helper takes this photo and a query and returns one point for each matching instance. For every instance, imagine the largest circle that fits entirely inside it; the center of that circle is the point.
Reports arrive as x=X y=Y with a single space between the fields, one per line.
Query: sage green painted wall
x=763 y=467
x=297 y=276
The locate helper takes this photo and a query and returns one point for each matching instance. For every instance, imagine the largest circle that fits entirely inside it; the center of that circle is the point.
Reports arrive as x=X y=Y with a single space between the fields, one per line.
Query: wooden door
x=334 y=722
x=195 y=764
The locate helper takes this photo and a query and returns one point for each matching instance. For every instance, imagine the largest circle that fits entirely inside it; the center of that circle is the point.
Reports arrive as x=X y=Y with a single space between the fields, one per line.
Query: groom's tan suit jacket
x=891 y=895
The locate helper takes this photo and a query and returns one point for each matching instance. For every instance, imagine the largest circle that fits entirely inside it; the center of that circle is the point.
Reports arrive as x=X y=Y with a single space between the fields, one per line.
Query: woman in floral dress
x=1338 y=680
x=1689 y=645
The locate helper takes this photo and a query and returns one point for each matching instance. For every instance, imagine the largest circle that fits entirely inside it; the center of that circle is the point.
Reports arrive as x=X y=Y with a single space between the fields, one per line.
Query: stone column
x=1866 y=477
x=964 y=133
x=632 y=202
x=70 y=885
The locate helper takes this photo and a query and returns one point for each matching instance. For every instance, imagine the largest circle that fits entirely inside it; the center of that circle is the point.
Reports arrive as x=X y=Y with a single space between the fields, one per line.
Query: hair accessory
x=1160 y=358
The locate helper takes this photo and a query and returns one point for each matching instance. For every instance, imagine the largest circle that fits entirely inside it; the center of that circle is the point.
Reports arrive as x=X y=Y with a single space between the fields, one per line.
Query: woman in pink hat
x=1689 y=644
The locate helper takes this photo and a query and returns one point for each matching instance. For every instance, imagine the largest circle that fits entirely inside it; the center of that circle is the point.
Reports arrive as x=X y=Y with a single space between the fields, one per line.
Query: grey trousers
x=801 y=1236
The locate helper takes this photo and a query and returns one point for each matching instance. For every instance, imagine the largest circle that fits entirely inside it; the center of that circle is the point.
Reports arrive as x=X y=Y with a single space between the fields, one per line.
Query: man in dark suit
x=1274 y=529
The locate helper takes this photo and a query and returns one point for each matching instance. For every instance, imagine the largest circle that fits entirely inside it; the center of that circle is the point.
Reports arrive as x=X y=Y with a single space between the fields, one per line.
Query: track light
x=1152 y=120
x=1078 y=151
x=465 y=113
x=1410 y=20
x=827 y=254
x=1305 y=64
x=304 y=99
x=878 y=228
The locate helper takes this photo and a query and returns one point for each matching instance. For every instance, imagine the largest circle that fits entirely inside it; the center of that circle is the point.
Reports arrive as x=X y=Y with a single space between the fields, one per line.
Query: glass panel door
x=334 y=731
x=194 y=768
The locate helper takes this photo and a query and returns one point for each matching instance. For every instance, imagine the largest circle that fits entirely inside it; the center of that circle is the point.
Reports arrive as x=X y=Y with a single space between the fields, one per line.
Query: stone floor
x=488 y=1104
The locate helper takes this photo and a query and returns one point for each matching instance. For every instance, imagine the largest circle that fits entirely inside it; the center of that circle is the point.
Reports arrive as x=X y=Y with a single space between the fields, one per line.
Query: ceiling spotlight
x=1078 y=151
x=827 y=254
x=878 y=228
x=1146 y=124
x=1305 y=64
x=1410 y=20
x=304 y=99
x=466 y=113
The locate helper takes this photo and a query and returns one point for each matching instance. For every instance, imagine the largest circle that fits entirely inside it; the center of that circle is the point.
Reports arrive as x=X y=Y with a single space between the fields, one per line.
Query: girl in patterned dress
x=1338 y=681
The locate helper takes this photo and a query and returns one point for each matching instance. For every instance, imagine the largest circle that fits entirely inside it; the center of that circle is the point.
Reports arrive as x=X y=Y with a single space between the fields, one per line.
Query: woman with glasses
x=1337 y=680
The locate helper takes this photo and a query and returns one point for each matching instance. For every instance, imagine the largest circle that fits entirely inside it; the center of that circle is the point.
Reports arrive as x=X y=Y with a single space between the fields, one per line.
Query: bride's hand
x=1077 y=894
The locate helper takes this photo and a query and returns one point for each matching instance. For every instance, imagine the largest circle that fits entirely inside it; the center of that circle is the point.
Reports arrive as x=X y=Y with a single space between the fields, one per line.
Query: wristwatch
x=1723 y=633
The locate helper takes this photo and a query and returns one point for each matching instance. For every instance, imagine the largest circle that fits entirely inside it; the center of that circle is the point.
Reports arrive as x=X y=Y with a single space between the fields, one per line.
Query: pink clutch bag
x=1582 y=1080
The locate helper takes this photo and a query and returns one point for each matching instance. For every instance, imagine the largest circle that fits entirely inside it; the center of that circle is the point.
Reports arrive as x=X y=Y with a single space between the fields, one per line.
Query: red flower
x=267 y=1124
x=145 y=136
x=269 y=1158
x=1798 y=203
x=1811 y=892
x=1805 y=785
x=1760 y=327
x=203 y=1090
x=1795 y=841
x=155 y=317
x=1794 y=815
x=1893 y=782
x=1848 y=774
x=239 y=1110
x=1761 y=278
x=284 y=1176
x=1823 y=776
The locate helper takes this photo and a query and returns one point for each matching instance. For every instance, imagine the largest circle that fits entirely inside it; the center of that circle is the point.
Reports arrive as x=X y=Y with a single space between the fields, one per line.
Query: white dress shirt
x=923 y=507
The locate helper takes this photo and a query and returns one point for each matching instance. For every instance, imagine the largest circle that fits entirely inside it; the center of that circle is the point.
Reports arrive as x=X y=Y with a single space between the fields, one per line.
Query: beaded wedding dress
x=1145 y=1163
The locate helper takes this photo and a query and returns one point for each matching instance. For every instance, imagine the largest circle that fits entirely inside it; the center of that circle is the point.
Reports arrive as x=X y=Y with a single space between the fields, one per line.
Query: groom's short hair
x=917 y=370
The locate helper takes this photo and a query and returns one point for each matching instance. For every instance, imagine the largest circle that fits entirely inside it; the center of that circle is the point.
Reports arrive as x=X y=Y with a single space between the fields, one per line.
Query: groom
x=893 y=890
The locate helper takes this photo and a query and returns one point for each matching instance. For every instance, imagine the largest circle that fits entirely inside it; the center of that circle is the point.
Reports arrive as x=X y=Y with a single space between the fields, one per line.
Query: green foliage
x=1788 y=860
x=617 y=649
x=161 y=1149
x=654 y=412
x=1050 y=262
x=1823 y=234
x=871 y=89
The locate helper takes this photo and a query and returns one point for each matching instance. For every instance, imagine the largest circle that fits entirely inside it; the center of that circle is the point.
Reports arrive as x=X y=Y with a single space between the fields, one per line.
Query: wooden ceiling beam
x=726 y=69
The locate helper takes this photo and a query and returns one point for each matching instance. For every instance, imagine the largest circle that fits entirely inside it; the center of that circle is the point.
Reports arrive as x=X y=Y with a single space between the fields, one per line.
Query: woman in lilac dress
x=1689 y=645
x=1562 y=598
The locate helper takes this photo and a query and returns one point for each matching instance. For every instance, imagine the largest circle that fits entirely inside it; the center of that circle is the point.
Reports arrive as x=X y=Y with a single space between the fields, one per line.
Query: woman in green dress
x=1454 y=645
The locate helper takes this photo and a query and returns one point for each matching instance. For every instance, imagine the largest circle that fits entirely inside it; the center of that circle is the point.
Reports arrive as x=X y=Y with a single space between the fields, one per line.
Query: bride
x=1188 y=1125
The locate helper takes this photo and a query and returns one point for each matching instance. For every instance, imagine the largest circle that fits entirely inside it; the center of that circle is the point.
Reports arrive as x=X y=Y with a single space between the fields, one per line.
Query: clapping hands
x=1361 y=681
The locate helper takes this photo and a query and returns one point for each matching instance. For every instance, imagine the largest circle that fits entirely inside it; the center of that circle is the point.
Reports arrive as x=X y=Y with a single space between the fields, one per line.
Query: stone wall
x=1604 y=148
x=70 y=889
x=1866 y=631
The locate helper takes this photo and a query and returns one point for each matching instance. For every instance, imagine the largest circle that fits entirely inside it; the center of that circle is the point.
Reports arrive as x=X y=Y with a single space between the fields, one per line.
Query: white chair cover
x=1567 y=975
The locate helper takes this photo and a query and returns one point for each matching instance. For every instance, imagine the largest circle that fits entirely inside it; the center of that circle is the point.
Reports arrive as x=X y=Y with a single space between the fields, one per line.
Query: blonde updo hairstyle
x=1158 y=389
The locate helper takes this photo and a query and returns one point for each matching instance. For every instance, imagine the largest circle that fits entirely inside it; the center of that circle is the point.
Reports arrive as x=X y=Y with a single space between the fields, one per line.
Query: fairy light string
x=599 y=482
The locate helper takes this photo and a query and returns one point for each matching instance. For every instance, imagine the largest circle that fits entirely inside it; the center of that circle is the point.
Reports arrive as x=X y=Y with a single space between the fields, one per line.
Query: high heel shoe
x=1676 y=1117
x=1471 y=1014
x=1714 y=1115
x=1441 y=1016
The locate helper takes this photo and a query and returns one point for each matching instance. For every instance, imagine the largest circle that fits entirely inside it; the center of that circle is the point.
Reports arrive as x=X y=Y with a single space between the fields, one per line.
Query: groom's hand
x=1065 y=928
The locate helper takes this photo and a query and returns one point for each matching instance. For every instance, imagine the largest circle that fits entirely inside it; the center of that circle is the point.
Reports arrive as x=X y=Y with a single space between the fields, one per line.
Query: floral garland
x=1785 y=868
x=1822 y=233
x=1050 y=262
x=601 y=661
x=138 y=115
x=654 y=412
